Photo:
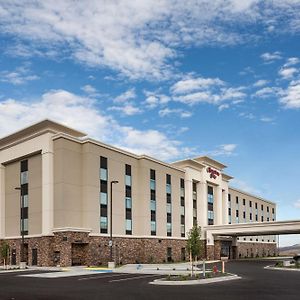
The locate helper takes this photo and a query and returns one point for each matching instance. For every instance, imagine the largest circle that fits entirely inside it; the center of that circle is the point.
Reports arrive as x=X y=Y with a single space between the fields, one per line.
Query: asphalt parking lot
x=256 y=283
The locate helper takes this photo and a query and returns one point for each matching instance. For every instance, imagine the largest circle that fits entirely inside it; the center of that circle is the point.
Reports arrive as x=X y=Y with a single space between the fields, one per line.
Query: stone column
x=202 y=205
x=2 y=201
x=234 y=247
x=188 y=187
x=210 y=246
x=47 y=192
x=218 y=206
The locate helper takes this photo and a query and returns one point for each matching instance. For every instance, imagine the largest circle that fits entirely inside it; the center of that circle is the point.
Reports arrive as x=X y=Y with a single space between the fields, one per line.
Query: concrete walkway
x=151 y=269
x=162 y=269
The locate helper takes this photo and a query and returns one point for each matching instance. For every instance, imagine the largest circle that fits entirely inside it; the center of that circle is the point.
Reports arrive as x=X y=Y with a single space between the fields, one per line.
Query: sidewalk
x=162 y=269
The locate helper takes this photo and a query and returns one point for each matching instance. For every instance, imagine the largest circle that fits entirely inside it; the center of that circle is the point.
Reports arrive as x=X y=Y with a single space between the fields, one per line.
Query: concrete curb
x=281 y=269
x=194 y=282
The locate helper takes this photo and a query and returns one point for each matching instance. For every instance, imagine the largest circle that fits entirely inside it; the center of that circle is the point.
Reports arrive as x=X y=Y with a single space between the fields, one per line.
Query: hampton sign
x=213 y=173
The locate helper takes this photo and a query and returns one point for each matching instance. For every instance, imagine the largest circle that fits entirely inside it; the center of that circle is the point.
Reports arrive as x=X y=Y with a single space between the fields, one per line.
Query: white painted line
x=133 y=278
x=99 y=277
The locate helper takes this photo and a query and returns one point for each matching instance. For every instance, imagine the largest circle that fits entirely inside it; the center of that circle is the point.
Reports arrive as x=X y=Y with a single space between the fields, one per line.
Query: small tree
x=194 y=246
x=4 y=253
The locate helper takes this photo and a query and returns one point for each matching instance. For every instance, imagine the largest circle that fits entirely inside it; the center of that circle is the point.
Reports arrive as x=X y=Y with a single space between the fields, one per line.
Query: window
x=244 y=201
x=128 y=200
x=103 y=224
x=103 y=174
x=153 y=202
x=194 y=203
x=169 y=204
x=103 y=198
x=153 y=228
x=24 y=197
x=210 y=206
x=237 y=200
x=250 y=203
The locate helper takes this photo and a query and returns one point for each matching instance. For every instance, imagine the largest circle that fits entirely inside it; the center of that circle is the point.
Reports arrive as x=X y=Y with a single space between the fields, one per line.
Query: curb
x=194 y=282
x=281 y=269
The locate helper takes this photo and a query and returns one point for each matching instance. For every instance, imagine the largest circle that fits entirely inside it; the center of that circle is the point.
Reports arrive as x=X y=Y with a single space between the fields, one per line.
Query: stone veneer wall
x=256 y=249
x=67 y=248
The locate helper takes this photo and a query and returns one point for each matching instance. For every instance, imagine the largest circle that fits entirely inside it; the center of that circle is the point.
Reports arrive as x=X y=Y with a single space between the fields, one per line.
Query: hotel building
x=56 y=185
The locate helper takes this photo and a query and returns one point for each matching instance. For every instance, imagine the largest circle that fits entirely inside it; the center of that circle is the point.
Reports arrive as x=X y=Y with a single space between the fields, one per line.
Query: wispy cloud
x=270 y=57
x=261 y=82
x=176 y=111
x=141 y=42
x=222 y=150
x=287 y=73
x=20 y=75
x=127 y=109
x=81 y=113
x=126 y=96
x=291 y=96
x=193 y=90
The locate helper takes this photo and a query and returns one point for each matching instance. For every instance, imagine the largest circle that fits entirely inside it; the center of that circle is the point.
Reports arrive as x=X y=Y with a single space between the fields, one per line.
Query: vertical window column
x=169 y=204
x=210 y=206
x=103 y=195
x=153 y=201
x=128 y=200
x=182 y=208
x=194 y=203
x=24 y=197
x=256 y=213
x=229 y=209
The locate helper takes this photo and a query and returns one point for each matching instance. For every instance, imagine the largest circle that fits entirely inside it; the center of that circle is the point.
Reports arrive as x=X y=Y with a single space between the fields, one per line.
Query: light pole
x=110 y=231
x=22 y=223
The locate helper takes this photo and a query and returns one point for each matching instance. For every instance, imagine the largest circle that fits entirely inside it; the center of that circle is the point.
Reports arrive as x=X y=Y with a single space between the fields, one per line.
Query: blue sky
x=171 y=79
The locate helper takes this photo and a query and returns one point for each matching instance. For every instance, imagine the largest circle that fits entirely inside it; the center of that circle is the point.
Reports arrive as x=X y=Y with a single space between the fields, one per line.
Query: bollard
x=223 y=266
x=203 y=268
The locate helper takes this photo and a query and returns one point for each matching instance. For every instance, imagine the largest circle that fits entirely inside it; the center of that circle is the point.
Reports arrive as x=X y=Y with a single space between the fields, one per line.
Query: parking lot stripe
x=101 y=276
x=133 y=278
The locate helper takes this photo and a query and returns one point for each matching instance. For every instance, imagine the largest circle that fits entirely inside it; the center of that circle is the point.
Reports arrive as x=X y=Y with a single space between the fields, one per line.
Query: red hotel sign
x=213 y=173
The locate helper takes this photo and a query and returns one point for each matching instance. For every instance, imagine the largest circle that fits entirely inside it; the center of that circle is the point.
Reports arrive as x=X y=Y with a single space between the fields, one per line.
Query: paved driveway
x=257 y=283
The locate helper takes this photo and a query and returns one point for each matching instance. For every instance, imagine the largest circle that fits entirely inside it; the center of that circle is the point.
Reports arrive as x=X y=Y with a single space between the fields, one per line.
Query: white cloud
x=89 y=89
x=138 y=38
x=292 y=61
x=223 y=107
x=205 y=90
x=261 y=83
x=190 y=84
x=246 y=115
x=154 y=99
x=267 y=92
x=222 y=150
x=270 y=57
x=291 y=96
x=287 y=73
x=176 y=111
x=124 y=97
x=127 y=109
x=267 y=119
x=81 y=113
x=20 y=75
x=297 y=204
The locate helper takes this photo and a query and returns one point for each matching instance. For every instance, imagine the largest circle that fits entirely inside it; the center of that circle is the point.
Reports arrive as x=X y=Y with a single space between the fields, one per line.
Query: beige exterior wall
x=234 y=193
x=12 y=197
x=77 y=188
